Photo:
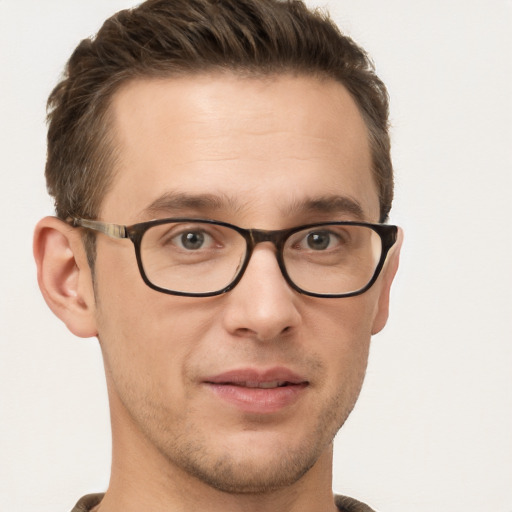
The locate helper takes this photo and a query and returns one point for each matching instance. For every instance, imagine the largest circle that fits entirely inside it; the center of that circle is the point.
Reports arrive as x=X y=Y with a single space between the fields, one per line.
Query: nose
x=262 y=305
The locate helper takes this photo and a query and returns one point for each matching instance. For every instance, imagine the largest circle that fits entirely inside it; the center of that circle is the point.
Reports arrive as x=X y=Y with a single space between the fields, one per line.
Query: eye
x=193 y=240
x=319 y=240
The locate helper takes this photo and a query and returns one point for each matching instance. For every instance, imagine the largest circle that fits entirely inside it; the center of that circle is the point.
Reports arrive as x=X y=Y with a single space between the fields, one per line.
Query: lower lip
x=258 y=400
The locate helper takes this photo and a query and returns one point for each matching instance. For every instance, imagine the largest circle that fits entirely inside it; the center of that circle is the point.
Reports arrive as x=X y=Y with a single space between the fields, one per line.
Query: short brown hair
x=175 y=37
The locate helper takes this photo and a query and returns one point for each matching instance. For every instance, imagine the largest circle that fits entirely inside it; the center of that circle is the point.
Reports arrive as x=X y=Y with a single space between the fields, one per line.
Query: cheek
x=341 y=332
x=146 y=336
x=345 y=322
x=134 y=327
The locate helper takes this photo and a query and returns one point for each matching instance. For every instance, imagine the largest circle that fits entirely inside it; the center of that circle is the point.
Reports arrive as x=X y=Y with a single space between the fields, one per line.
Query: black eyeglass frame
x=387 y=233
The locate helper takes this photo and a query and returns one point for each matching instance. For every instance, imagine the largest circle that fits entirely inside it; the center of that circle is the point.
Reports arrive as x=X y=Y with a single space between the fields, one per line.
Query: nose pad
x=262 y=305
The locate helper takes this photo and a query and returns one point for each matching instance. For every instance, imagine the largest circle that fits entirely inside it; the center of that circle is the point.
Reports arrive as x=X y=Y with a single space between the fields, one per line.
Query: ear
x=64 y=275
x=387 y=276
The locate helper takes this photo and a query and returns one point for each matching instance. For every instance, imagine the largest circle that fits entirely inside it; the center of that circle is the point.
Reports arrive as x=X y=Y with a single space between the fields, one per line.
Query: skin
x=262 y=147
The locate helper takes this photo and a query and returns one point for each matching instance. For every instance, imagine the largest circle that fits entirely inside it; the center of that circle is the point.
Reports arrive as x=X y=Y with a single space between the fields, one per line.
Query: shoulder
x=346 y=504
x=86 y=503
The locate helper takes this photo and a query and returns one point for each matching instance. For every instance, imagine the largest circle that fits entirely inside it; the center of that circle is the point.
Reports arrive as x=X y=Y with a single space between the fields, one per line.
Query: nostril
x=244 y=332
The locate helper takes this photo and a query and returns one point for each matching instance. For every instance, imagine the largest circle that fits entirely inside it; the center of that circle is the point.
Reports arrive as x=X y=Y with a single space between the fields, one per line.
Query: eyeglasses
x=202 y=258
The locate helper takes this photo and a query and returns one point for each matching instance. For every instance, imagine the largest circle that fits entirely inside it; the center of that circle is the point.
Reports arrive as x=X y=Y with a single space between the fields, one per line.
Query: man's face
x=181 y=371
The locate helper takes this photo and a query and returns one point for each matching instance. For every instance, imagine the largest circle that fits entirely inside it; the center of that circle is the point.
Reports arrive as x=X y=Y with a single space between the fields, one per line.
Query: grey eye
x=319 y=240
x=192 y=240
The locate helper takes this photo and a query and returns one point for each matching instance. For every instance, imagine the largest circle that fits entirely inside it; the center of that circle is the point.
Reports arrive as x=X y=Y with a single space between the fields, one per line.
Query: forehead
x=257 y=144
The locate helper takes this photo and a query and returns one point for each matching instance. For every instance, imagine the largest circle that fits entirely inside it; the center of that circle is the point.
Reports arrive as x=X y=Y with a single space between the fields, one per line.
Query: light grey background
x=432 y=431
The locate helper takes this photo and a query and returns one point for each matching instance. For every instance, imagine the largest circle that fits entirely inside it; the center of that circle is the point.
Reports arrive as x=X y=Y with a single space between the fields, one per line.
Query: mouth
x=254 y=378
x=255 y=391
x=261 y=385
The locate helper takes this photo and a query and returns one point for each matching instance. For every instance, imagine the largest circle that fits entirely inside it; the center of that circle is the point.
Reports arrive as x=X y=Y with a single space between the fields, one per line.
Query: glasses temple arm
x=112 y=230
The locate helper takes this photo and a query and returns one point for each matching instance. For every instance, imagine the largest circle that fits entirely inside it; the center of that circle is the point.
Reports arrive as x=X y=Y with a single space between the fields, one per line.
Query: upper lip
x=253 y=377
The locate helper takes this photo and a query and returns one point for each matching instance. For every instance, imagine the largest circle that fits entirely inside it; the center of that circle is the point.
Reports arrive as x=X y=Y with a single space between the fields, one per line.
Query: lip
x=258 y=391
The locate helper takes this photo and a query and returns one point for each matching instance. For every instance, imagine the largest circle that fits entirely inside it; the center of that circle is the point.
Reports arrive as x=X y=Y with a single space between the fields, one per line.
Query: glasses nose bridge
x=275 y=237
x=259 y=236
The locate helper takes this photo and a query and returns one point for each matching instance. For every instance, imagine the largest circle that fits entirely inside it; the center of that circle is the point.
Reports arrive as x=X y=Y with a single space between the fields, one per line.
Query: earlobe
x=64 y=276
x=387 y=276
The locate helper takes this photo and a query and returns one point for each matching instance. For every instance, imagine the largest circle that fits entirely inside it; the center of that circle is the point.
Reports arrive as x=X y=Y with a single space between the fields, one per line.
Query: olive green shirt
x=343 y=503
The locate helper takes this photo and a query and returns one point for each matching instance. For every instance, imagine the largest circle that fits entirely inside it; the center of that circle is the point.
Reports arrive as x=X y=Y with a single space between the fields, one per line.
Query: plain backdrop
x=432 y=431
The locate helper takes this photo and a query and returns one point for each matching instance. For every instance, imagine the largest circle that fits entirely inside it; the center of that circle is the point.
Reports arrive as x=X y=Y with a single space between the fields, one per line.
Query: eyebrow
x=177 y=202
x=332 y=204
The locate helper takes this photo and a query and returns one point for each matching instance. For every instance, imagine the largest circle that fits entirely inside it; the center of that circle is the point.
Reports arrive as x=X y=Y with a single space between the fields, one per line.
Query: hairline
x=106 y=116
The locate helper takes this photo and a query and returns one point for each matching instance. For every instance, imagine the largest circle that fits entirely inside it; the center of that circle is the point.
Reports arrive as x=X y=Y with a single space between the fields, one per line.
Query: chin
x=242 y=473
x=253 y=462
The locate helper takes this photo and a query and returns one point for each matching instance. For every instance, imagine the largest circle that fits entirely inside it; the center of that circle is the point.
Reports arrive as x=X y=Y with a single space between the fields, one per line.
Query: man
x=241 y=148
